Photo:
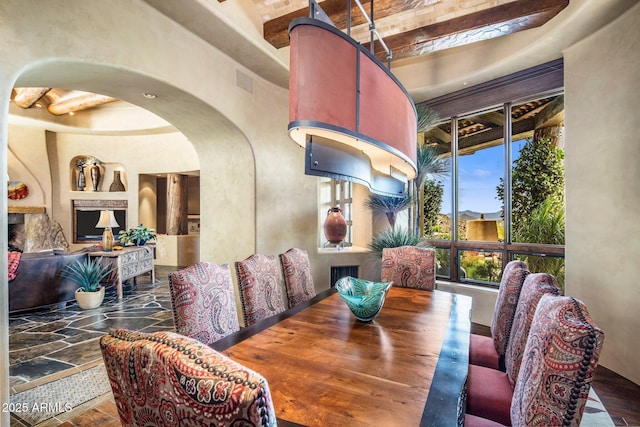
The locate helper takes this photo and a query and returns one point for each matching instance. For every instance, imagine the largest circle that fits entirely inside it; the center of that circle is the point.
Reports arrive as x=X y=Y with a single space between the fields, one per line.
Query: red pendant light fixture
x=354 y=118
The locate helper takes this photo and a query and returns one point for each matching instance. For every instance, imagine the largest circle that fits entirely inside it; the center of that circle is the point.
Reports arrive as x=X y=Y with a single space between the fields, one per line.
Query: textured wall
x=602 y=85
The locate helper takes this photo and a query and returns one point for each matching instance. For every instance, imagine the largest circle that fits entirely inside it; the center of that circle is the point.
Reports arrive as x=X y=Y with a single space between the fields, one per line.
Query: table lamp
x=106 y=221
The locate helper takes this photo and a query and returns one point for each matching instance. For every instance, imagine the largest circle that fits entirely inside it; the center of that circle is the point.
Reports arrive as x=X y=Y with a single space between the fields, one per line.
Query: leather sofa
x=38 y=281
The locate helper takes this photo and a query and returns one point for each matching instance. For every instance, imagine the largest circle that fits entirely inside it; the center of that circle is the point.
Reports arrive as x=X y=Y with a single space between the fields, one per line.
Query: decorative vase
x=81 y=180
x=95 y=176
x=335 y=227
x=89 y=300
x=363 y=297
x=117 y=184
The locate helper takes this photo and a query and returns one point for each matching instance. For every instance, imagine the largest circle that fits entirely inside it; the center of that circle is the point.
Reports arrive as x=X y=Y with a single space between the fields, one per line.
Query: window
x=480 y=170
x=336 y=193
x=505 y=191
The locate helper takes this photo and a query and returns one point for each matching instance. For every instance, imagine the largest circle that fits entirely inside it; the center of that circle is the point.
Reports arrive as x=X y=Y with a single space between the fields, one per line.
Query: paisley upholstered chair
x=167 y=379
x=489 y=351
x=409 y=267
x=261 y=287
x=535 y=286
x=203 y=302
x=556 y=371
x=296 y=271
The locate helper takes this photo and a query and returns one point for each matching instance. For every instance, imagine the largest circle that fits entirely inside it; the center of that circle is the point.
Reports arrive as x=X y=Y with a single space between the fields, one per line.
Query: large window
x=505 y=191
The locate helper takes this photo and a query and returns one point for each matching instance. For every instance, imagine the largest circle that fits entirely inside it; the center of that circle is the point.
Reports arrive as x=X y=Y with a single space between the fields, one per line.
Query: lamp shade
x=107 y=219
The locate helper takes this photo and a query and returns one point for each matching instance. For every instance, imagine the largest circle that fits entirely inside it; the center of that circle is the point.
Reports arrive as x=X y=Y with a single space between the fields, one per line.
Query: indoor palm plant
x=88 y=274
x=137 y=236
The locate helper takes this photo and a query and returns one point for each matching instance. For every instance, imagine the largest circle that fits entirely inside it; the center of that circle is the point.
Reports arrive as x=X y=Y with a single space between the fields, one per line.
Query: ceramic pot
x=117 y=184
x=89 y=300
x=335 y=227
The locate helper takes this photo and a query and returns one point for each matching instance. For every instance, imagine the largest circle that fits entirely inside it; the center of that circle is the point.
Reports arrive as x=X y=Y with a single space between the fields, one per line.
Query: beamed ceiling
x=410 y=28
x=415 y=27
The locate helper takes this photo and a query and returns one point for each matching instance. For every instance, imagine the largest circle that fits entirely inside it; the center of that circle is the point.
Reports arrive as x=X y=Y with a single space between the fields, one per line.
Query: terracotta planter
x=89 y=300
x=335 y=227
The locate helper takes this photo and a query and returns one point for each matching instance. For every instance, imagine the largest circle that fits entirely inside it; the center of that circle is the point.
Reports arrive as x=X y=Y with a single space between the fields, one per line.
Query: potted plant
x=136 y=236
x=88 y=273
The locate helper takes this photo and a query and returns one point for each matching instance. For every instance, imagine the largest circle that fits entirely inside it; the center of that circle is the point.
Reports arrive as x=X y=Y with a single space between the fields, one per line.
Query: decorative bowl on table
x=363 y=297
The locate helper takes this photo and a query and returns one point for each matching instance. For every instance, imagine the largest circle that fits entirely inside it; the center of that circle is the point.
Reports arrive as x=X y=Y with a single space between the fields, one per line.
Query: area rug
x=46 y=401
x=595 y=414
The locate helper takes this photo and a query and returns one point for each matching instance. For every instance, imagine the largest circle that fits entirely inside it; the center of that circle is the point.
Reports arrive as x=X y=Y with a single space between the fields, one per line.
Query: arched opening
x=192 y=138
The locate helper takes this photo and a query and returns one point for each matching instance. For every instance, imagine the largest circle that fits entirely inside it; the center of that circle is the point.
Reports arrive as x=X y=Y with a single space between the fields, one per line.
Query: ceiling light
x=149 y=95
x=353 y=117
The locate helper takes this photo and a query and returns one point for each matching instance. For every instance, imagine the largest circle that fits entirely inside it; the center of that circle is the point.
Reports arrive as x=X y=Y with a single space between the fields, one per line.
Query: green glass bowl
x=364 y=298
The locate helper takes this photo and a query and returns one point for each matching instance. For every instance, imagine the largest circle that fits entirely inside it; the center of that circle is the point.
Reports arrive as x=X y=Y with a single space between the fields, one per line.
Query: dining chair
x=489 y=351
x=558 y=365
x=203 y=302
x=535 y=286
x=261 y=287
x=164 y=378
x=296 y=271
x=409 y=267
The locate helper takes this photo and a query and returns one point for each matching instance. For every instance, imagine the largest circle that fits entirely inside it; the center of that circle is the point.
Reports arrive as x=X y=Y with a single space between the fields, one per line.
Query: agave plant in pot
x=88 y=274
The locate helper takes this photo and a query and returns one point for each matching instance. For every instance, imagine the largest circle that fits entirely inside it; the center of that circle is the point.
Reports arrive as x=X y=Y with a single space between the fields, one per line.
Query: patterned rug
x=595 y=414
x=40 y=403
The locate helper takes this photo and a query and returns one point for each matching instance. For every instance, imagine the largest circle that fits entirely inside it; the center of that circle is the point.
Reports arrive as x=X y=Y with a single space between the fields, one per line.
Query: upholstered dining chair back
x=164 y=379
x=203 y=302
x=490 y=351
x=558 y=364
x=511 y=283
x=261 y=287
x=534 y=287
x=296 y=271
x=409 y=267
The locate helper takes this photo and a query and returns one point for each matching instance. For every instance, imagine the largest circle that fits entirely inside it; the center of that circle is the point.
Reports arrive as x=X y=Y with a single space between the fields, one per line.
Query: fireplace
x=86 y=214
x=31 y=230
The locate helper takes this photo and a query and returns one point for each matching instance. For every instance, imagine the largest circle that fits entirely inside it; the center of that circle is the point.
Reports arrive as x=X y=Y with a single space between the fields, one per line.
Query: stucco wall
x=142 y=154
x=28 y=163
x=602 y=101
x=247 y=162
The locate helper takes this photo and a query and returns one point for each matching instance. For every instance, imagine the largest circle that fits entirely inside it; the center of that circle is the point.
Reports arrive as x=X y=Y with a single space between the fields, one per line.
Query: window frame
x=537 y=82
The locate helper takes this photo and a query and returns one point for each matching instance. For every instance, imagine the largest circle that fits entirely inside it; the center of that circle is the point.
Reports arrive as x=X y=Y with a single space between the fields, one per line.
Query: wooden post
x=177 y=198
x=554 y=133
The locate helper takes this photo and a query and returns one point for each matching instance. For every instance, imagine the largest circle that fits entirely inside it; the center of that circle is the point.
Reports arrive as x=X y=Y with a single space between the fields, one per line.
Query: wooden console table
x=128 y=263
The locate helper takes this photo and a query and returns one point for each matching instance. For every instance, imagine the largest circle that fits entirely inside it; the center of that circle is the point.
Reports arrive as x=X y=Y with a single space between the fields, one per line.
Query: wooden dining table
x=324 y=367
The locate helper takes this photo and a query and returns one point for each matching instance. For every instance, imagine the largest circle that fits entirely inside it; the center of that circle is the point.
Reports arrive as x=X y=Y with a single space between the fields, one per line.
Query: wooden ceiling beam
x=488 y=23
x=551 y=114
x=25 y=97
x=500 y=20
x=276 y=31
x=77 y=103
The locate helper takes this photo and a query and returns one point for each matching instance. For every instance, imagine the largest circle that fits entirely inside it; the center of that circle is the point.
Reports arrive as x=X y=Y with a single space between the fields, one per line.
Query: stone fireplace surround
x=31 y=230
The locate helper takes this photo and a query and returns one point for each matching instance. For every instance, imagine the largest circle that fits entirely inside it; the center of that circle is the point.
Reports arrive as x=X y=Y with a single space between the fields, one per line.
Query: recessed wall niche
x=89 y=174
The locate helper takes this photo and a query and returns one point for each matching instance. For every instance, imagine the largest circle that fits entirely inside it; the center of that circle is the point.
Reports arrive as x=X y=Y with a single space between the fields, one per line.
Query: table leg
x=119 y=283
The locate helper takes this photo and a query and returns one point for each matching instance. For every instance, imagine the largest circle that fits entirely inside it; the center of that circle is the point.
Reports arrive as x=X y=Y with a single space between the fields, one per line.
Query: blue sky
x=479 y=175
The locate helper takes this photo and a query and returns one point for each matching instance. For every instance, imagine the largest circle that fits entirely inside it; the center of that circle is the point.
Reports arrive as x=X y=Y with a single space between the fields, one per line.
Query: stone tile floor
x=55 y=364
